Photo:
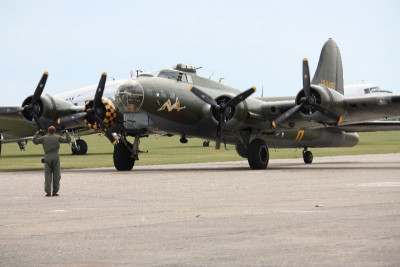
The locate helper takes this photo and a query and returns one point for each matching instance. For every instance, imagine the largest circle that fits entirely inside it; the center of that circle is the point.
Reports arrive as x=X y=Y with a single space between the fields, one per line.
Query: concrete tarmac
x=338 y=211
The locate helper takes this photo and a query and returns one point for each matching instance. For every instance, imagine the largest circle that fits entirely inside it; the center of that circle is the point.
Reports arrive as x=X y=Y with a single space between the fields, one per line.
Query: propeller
x=93 y=113
x=307 y=101
x=33 y=107
x=222 y=109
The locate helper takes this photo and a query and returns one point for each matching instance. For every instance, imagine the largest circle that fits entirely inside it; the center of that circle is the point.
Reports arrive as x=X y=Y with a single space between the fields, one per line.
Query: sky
x=248 y=43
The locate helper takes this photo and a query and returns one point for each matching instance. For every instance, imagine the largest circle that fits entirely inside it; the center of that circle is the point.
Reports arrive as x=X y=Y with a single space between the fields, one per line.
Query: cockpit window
x=177 y=76
x=376 y=90
x=182 y=77
x=189 y=78
x=168 y=74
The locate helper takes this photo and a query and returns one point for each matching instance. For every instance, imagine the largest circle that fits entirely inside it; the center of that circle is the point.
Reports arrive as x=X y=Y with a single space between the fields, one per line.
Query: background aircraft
x=20 y=126
x=179 y=102
x=364 y=90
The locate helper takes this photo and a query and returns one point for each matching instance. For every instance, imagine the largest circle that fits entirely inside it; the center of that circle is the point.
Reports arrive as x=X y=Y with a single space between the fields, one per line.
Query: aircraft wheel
x=241 y=150
x=123 y=160
x=257 y=154
x=81 y=147
x=308 y=157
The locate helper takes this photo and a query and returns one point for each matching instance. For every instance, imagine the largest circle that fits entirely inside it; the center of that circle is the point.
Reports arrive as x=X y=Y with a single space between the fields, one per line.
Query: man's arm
x=66 y=139
x=36 y=139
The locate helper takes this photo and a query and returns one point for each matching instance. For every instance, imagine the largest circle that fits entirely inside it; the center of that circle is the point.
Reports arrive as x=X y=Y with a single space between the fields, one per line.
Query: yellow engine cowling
x=107 y=114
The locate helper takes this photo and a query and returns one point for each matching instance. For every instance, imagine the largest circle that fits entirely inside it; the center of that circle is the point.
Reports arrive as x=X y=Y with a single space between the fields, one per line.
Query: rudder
x=330 y=69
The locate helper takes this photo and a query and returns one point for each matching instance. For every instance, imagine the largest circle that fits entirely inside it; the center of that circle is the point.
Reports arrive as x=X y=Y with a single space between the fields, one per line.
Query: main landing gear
x=79 y=147
x=307 y=156
x=257 y=154
x=125 y=154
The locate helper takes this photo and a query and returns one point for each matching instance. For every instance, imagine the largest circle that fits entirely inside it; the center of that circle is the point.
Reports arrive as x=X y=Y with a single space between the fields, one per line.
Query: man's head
x=51 y=130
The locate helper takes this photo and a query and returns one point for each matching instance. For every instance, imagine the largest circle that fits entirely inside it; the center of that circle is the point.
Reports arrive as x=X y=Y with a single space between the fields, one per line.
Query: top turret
x=185 y=67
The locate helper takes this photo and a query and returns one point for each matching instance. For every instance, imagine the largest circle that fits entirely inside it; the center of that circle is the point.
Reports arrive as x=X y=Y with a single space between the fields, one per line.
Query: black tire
x=206 y=143
x=81 y=147
x=123 y=160
x=258 y=154
x=307 y=157
x=241 y=150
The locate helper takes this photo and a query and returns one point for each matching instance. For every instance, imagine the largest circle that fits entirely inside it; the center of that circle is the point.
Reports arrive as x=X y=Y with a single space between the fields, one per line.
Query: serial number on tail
x=328 y=84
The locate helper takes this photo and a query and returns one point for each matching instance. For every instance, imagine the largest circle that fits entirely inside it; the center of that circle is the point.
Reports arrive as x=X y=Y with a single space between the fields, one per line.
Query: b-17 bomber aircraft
x=179 y=102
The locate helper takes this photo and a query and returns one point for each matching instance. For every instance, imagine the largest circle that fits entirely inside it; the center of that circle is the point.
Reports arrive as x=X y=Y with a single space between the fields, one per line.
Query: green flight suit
x=52 y=171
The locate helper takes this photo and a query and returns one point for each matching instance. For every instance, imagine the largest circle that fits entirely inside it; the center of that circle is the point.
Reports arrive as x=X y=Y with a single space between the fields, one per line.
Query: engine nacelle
x=323 y=96
x=106 y=112
x=233 y=115
x=47 y=108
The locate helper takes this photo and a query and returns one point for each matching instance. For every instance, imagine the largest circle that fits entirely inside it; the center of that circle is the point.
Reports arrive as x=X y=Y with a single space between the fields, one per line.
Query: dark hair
x=51 y=130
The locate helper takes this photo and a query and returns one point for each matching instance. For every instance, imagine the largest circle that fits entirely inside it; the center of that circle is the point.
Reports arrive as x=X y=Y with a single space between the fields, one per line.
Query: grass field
x=168 y=150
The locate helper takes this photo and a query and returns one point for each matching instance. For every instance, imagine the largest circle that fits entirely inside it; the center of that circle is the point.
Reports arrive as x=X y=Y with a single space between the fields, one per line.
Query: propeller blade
x=10 y=110
x=39 y=88
x=106 y=130
x=329 y=113
x=219 y=131
x=72 y=117
x=306 y=79
x=35 y=118
x=100 y=90
x=286 y=115
x=240 y=97
x=203 y=96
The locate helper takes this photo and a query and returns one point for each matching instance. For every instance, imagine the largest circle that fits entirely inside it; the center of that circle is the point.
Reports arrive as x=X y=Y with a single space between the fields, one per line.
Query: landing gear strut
x=257 y=154
x=21 y=145
x=307 y=156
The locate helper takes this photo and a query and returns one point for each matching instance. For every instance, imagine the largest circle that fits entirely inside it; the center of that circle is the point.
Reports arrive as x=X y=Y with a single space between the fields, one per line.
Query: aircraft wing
x=360 y=111
x=15 y=126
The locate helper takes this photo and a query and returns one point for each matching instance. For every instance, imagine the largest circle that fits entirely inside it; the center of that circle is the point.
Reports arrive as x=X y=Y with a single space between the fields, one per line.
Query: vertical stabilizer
x=330 y=70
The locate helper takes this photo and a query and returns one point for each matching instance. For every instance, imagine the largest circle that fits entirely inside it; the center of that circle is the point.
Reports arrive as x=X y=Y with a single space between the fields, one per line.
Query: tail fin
x=330 y=70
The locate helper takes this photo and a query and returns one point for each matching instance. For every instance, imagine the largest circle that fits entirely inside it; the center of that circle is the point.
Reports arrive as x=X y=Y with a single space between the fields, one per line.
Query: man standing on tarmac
x=52 y=171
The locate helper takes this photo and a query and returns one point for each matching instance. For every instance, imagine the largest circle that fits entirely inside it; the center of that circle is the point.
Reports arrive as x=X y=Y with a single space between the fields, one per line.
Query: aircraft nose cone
x=129 y=96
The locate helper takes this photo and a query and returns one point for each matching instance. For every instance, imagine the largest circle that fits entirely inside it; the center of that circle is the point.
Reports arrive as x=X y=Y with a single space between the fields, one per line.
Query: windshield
x=168 y=74
x=177 y=76
x=376 y=90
